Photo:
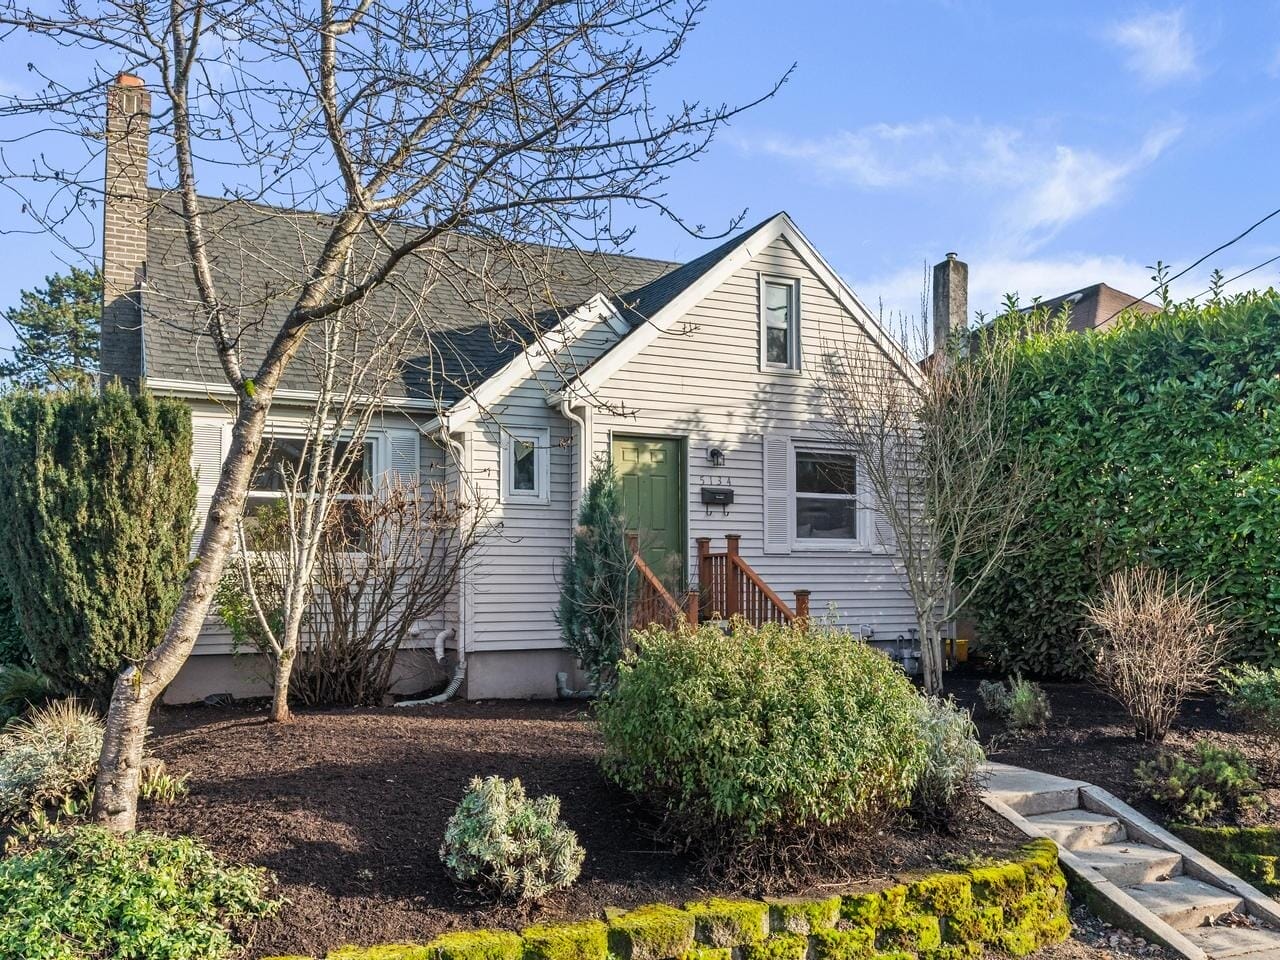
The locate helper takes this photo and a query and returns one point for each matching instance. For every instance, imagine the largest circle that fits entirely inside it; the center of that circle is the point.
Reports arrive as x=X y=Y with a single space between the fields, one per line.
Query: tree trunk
x=115 y=802
x=931 y=660
x=280 y=690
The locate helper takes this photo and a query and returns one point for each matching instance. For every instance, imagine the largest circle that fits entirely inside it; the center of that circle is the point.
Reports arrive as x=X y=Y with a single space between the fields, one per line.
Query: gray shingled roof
x=259 y=255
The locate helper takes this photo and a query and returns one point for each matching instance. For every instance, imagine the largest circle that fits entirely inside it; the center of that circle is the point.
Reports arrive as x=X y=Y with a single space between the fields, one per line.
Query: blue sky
x=1051 y=145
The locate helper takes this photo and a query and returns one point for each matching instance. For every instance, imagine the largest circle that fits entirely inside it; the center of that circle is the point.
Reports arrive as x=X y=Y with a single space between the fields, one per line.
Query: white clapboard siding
x=703 y=382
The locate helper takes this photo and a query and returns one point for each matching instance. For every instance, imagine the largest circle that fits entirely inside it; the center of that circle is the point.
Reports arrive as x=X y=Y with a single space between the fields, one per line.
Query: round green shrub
x=88 y=894
x=767 y=732
x=501 y=842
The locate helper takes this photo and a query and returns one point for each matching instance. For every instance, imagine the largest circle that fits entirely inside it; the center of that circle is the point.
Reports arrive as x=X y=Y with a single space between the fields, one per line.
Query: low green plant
x=1212 y=783
x=88 y=894
x=772 y=736
x=1252 y=694
x=47 y=756
x=158 y=785
x=502 y=843
x=1022 y=704
x=952 y=758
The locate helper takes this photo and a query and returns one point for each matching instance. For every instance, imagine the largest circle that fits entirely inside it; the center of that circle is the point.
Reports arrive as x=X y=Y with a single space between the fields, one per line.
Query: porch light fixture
x=716 y=456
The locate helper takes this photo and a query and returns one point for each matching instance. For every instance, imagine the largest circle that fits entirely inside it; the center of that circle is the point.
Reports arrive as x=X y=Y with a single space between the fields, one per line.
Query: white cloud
x=1159 y=48
x=1038 y=186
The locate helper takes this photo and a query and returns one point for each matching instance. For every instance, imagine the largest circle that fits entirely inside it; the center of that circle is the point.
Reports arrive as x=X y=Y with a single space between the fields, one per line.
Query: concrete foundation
x=248 y=675
x=518 y=674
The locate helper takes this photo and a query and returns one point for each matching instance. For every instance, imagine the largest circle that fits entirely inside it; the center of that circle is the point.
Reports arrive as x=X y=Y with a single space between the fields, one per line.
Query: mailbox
x=717 y=496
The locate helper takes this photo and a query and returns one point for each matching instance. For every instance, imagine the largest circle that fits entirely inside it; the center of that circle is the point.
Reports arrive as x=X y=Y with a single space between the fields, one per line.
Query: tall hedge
x=1161 y=439
x=97 y=495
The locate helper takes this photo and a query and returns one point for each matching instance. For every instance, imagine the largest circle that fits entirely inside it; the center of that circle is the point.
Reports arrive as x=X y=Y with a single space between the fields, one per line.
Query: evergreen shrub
x=763 y=738
x=1161 y=436
x=97 y=494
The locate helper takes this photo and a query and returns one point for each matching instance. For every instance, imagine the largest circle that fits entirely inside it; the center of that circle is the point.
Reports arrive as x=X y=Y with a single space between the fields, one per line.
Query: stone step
x=1228 y=942
x=1126 y=864
x=1183 y=902
x=1029 y=792
x=1079 y=829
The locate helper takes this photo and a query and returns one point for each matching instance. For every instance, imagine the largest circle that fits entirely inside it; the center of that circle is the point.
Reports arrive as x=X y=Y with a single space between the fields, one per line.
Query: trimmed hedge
x=1252 y=853
x=1015 y=907
x=1162 y=440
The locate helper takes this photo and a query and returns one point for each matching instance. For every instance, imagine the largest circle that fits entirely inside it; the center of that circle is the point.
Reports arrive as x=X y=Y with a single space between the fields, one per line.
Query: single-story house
x=696 y=378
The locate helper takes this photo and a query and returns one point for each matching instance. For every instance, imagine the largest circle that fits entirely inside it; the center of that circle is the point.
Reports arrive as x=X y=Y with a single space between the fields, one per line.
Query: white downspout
x=458 y=632
x=584 y=455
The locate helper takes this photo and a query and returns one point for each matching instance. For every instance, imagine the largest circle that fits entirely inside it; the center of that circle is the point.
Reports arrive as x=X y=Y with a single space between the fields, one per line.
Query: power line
x=1243 y=273
x=1218 y=249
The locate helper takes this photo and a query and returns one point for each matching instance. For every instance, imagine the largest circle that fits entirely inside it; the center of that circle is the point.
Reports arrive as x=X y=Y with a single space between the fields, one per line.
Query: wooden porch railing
x=653 y=603
x=729 y=587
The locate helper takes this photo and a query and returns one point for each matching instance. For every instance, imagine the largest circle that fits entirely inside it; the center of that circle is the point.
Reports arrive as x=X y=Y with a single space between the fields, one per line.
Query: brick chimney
x=950 y=299
x=124 y=229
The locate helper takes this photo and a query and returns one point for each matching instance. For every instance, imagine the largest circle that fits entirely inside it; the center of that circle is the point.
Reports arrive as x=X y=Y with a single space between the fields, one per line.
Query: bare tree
x=384 y=564
x=934 y=451
x=354 y=362
x=485 y=123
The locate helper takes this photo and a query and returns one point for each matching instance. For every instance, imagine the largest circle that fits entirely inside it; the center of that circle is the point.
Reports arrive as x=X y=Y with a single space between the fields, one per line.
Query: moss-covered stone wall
x=1014 y=907
x=1252 y=853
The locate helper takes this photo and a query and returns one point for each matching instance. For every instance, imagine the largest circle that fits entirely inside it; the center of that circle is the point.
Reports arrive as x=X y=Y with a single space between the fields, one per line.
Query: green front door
x=652 y=475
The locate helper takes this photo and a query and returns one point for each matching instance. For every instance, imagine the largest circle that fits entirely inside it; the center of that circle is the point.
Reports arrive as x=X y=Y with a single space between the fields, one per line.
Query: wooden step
x=1078 y=829
x=1126 y=864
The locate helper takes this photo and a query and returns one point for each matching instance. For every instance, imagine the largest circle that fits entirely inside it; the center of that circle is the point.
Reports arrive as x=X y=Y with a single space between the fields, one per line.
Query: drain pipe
x=563 y=690
x=460 y=668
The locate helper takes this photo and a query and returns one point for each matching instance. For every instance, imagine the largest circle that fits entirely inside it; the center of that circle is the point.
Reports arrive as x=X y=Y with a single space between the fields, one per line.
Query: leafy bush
x=97 y=495
x=502 y=843
x=88 y=894
x=1213 y=783
x=1022 y=705
x=1253 y=695
x=953 y=756
x=47 y=757
x=20 y=688
x=13 y=648
x=595 y=586
x=768 y=737
x=1163 y=442
x=1155 y=641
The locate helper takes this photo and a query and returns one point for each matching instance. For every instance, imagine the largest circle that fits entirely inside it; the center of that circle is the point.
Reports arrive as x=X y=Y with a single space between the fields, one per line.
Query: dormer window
x=779 y=323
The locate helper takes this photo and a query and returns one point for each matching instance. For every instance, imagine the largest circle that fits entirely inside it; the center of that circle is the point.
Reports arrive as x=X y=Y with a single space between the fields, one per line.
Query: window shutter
x=206 y=463
x=206 y=451
x=403 y=464
x=777 y=494
x=882 y=533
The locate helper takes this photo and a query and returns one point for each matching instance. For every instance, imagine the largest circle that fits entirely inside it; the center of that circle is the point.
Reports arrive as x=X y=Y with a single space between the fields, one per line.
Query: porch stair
x=727 y=587
x=1135 y=874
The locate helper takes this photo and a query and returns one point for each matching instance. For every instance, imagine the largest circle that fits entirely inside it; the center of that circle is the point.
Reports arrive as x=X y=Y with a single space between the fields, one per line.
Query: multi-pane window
x=780 y=348
x=283 y=459
x=825 y=496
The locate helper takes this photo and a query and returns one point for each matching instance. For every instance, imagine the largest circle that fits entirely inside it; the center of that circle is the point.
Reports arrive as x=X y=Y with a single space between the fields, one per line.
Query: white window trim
x=795 y=363
x=864 y=521
x=540 y=437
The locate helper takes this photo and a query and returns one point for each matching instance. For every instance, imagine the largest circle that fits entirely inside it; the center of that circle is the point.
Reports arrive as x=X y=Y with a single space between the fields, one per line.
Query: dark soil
x=1091 y=738
x=348 y=809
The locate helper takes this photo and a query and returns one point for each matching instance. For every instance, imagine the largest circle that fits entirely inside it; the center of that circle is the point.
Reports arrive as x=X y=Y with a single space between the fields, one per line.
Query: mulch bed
x=1091 y=738
x=348 y=809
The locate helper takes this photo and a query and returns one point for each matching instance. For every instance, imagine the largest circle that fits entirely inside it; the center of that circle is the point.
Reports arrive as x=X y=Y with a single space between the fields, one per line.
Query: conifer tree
x=596 y=585
x=56 y=328
x=98 y=495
